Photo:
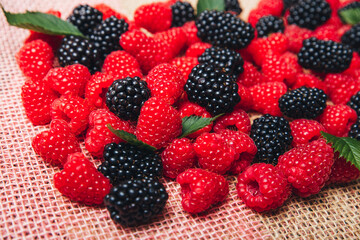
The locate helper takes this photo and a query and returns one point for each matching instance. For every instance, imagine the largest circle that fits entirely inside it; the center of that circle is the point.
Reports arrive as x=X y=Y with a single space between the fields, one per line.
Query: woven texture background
x=31 y=208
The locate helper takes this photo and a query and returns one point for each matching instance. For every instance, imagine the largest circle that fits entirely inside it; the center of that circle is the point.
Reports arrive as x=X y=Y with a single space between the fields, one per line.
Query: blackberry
x=75 y=49
x=182 y=12
x=233 y=6
x=303 y=102
x=135 y=202
x=126 y=96
x=324 y=56
x=355 y=130
x=352 y=5
x=224 y=29
x=124 y=161
x=272 y=137
x=309 y=13
x=85 y=18
x=209 y=87
x=107 y=35
x=351 y=38
x=288 y=4
x=229 y=61
x=269 y=24
x=354 y=103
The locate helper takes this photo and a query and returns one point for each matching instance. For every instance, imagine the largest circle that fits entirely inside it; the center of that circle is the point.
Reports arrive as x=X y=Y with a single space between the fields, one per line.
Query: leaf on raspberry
x=348 y=148
x=203 y=5
x=350 y=16
x=193 y=123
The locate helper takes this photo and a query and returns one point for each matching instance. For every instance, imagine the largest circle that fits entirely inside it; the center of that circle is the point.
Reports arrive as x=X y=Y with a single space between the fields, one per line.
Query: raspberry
x=296 y=36
x=310 y=81
x=256 y=14
x=190 y=30
x=274 y=7
x=154 y=17
x=246 y=102
x=175 y=38
x=135 y=202
x=250 y=76
x=342 y=171
x=159 y=123
x=305 y=131
x=337 y=119
x=178 y=157
x=182 y=12
x=355 y=130
x=354 y=103
x=98 y=134
x=108 y=12
x=354 y=69
x=327 y=32
x=233 y=6
x=307 y=167
x=273 y=68
x=196 y=49
x=85 y=18
x=213 y=153
x=292 y=67
x=238 y=120
x=35 y=59
x=96 y=89
x=185 y=64
x=81 y=182
x=37 y=99
x=262 y=187
x=269 y=24
x=344 y=88
x=56 y=144
x=200 y=189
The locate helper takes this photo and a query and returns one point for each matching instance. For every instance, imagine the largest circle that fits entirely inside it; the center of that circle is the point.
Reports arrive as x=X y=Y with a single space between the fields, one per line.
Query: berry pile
x=294 y=62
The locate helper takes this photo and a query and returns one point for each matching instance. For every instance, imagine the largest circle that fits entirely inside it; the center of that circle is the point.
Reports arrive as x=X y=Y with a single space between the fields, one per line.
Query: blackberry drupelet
x=303 y=102
x=352 y=5
x=126 y=96
x=209 y=87
x=229 y=61
x=354 y=103
x=124 y=161
x=233 y=6
x=269 y=24
x=355 y=130
x=135 y=202
x=85 y=18
x=224 y=29
x=272 y=137
x=182 y=12
x=75 y=49
x=288 y=4
x=107 y=35
x=309 y=13
x=324 y=56
x=351 y=38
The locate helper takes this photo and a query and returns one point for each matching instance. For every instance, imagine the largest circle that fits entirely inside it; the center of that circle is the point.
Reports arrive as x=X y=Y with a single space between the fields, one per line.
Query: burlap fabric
x=31 y=208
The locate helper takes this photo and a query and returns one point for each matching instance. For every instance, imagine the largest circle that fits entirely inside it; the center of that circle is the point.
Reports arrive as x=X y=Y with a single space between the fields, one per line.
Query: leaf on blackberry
x=130 y=138
x=349 y=148
x=350 y=16
x=41 y=22
x=203 y=5
x=193 y=123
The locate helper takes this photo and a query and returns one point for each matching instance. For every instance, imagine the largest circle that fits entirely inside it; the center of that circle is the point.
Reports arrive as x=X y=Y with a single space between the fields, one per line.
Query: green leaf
x=203 y=5
x=41 y=22
x=193 y=123
x=348 y=148
x=131 y=138
x=350 y=16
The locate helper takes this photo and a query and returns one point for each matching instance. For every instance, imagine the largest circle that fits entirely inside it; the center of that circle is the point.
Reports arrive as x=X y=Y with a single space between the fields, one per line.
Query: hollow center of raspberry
x=103 y=94
x=232 y=128
x=253 y=188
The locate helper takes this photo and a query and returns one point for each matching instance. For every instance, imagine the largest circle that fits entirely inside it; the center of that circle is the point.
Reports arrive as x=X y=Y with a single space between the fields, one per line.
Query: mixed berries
x=272 y=85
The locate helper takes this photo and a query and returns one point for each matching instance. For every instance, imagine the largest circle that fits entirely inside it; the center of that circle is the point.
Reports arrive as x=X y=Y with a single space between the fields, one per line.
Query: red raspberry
x=97 y=87
x=81 y=182
x=244 y=147
x=74 y=110
x=246 y=101
x=190 y=30
x=68 y=80
x=107 y=12
x=196 y=49
x=256 y=14
x=200 y=189
x=337 y=119
x=185 y=64
x=296 y=36
x=121 y=64
x=175 y=38
x=307 y=167
x=354 y=68
x=35 y=59
x=327 y=32
x=334 y=5
x=341 y=87
x=275 y=7
x=37 y=99
x=342 y=171
x=263 y=187
x=273 y=69
x=305 y=131
x=98 y=134
x=238 y=120
x=310 y=81
x=250 y=76
x=159 y=123
x=266 y=97
x=213 y=153
x=154 y=17
x=292 y=67
x=178 y=157
x=166 y=81
x=56 y=144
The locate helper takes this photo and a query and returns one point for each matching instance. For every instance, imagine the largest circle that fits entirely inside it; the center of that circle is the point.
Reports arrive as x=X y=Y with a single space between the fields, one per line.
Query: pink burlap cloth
x=31 y=208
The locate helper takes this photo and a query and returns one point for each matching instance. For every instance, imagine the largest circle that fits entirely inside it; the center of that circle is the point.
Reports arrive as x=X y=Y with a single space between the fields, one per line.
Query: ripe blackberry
x=233 y=6
x=355 y=130
x=212 y=89
x=354 y=103
x=135 y=202
x=229 y=61
x=224 y=29
x=269 y=24
x=124 y=161
x=107 y=35
x=126 y=96
x=85 y=18
x=182 y=12
x=303 y=102
x=309 y=13
x=75 y=49
x=324 y=56
x=272 y=137
x=288 y=4
x=351 y=37
x=352 y=5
